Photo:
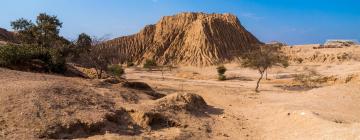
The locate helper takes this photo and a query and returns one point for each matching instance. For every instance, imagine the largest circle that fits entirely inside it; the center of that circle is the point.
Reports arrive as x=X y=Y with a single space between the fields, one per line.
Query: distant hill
x=196 y=39
x=6 y=36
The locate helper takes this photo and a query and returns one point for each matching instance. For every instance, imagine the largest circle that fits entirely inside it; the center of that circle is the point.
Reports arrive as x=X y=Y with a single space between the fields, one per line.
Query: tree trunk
x=97 y=72
x=100 y=74
x=258 y=82
x=266 y=75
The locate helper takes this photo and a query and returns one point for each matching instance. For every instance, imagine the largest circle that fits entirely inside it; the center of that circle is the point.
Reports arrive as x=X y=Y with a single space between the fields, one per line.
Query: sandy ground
x=329 y=112
x=326 y=113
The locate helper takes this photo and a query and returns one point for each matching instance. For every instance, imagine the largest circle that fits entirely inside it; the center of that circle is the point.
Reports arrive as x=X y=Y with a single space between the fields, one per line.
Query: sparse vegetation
x=41 y=48
x=130 y=64
x=99 y=56
x=264 y=57
x=221 y=73
x=116 y=70
x=221 y=77
x=149 y=64
x=299 y=60
x=51 y=60
x=311 y=79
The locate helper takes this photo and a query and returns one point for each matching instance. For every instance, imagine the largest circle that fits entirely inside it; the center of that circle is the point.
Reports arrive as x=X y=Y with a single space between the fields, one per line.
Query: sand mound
x=187 y=39
x=182 y=101
x=39 y=106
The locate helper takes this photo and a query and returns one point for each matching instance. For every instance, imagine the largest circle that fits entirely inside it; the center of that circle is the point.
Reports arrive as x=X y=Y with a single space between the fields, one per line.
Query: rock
x=196 y=39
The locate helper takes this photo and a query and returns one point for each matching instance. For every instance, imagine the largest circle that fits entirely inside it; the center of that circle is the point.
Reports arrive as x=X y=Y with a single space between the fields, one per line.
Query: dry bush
x=311 y=79
x=221 y=73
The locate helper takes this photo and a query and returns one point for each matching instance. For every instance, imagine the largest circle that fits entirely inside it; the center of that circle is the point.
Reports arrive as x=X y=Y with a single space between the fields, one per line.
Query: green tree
x=45 y=33
x=84 y=41
x=264 y=57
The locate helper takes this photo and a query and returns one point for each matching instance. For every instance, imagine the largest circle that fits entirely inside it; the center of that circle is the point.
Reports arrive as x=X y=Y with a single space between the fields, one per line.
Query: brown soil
x=196 y=105
x=40 y=106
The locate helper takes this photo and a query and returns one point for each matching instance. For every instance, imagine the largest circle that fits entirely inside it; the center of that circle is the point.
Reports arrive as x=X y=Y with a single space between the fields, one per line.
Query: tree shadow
x=295 y=87
x=215 y=111
x=206 y=112
x=240 y=78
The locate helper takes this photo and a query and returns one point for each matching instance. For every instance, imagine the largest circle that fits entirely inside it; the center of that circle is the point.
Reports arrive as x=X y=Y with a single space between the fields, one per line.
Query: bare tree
x=262 y=58
x=100 y=56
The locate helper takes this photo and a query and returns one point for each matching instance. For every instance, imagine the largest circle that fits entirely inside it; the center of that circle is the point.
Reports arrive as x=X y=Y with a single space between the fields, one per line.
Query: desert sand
x=188 y=103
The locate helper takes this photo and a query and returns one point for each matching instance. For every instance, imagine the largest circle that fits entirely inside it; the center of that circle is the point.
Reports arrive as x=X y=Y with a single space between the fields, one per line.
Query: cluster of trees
x=40 y=41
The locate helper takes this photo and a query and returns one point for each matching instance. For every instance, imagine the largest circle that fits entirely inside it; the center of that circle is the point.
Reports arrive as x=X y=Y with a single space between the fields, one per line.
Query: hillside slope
x=6 y=36
x=188 y=39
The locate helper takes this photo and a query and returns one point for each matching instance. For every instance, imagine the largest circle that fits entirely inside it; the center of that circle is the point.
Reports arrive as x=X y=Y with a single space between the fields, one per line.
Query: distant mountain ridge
x=196 y=39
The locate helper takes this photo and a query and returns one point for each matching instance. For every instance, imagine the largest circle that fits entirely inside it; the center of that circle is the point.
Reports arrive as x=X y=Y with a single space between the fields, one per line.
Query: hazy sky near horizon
x=289 y=21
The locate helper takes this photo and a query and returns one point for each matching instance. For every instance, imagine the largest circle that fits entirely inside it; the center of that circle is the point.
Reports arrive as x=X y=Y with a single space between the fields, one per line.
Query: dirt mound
x=39 y=106
x=6 y=36
x=182 y=101
x=188 y=39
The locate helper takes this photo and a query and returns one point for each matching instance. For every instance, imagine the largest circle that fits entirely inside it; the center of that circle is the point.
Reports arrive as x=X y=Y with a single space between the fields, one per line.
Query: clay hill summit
x=196 y=39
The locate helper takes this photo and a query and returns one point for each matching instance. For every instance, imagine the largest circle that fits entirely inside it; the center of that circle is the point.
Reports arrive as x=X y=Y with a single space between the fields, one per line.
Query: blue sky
x=289 y=21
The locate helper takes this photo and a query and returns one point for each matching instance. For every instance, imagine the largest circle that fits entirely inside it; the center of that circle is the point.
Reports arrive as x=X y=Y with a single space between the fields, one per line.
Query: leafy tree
x=264 y=57
x=40 y=41
x=45 y=33
x=83 y=41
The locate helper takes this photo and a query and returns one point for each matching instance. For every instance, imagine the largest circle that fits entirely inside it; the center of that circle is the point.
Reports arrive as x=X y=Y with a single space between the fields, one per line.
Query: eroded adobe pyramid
x=196 y=39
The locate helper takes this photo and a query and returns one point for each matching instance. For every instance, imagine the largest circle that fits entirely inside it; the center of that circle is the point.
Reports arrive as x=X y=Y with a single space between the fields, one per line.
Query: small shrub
x=311 y=79
x=130 y=64
x=300 y=60
x=116 y=70
x=150 y=63
x=222 y=78
x=221 y=70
